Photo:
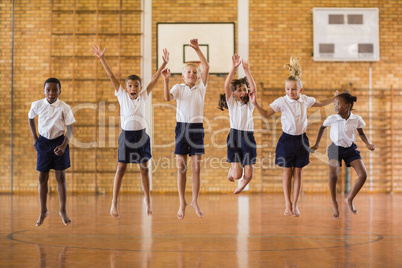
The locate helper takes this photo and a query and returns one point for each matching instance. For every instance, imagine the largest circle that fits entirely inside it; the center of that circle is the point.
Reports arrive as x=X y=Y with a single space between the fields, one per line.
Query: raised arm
x=262 y=111
x=326 y=101
x=246 y=67
x=204 y=62
x=155 y=77
x=166 y=91
x=235 y=63
x=101 y=55
x=319 y=136
x=364 y=138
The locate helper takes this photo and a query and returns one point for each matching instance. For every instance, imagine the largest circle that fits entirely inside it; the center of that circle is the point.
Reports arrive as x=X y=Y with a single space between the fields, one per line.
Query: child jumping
x=241 y=145
x=189 y=130
x=343 y=135
x=292 y=150
x=52 y=146
x=134 y=142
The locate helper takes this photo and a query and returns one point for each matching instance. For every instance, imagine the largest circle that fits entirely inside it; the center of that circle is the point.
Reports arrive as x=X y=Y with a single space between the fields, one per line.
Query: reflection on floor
x=247 y=230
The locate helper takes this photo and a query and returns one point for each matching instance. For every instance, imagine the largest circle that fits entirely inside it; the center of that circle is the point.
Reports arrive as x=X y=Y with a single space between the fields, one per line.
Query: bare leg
x=145 y=186
x=62 y=189
x=181 y=183
x=43 y=190
x=196 y=170
x=118 y=178
x=333 y=178
x=248 y=175
x=235 y=172
x=362 y=176
x=297 y=183
x=287 y=187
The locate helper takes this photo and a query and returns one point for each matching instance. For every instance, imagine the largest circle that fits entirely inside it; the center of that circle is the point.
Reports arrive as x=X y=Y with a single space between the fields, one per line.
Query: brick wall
x=279 y=29
x=5 y=96
x=44 y=46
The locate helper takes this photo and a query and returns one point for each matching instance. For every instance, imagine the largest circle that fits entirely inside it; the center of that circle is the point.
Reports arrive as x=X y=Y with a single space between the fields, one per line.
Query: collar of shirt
x=186 y=86
x=351 y=117
x=56 y=103
x=293 y=101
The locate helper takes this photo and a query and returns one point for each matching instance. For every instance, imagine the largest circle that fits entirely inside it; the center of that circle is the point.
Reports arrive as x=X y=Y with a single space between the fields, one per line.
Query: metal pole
x=370 y=129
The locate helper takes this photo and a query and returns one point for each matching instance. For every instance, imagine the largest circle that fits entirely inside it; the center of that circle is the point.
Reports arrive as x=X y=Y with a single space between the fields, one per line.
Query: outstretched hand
x=165 y=73
x=313 y=149
x=165 y=56
x=236 y=60
x=194 y=43
x=253 y=97
x=98 y=51
x=371 y=147
x=246 y=65
x=336 y=93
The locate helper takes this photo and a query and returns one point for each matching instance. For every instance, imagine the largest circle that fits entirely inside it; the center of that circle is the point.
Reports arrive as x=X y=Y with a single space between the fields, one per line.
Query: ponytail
x=222 y=102
x=294 y=70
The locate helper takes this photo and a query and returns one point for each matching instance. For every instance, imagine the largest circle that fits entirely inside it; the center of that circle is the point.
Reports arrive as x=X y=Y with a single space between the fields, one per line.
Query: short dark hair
x=134 y=77
x=52 y=80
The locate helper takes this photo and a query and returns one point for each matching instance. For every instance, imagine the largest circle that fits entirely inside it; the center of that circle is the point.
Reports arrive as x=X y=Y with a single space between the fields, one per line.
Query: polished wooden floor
x=237 y=231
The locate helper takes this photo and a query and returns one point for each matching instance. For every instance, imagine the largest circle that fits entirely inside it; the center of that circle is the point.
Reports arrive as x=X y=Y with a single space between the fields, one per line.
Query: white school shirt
x=132 y=112
x=343 y=132
x=190 y=102
x=52 y=117
x=241 y=115
x=294 y=113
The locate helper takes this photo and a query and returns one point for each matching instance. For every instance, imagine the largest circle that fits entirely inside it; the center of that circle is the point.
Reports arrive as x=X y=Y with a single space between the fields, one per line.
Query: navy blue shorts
x=47 y=159
x=241 y=147
x=189 y=139
x=341 y=153
x=134 y=147
x=292 y=151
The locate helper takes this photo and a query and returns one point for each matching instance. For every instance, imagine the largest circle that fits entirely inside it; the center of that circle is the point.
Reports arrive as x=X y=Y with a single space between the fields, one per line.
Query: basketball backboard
x=216 y=41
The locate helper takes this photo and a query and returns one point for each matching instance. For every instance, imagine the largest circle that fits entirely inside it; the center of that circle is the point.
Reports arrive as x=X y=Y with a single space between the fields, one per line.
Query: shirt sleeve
x=333 y=118
x=230 y=101
x=202 y=86
x=361 y=123
x=276 y=105
x=310 y=101
x=33 y=111
x=175 y=91
x=327 y=122
x=144 y=95
x=120 y=92
x=68 y=115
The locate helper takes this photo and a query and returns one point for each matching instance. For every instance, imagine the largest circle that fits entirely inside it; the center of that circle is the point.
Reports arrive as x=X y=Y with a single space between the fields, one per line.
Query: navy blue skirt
x=242 y=147
x=292 y=151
